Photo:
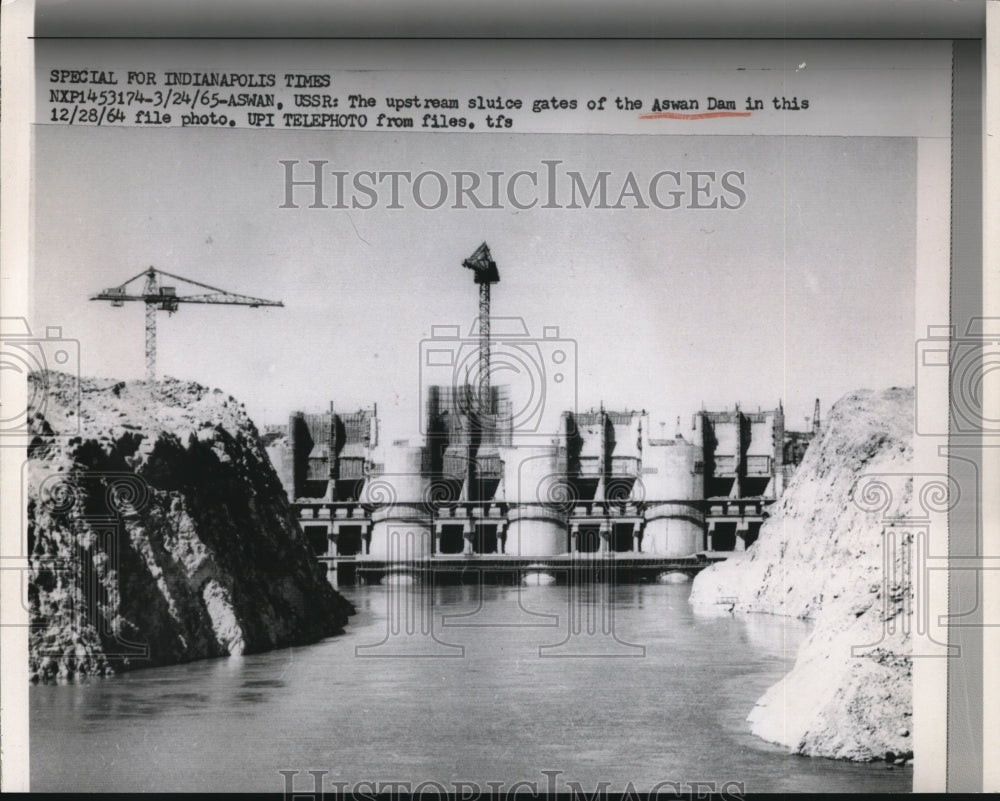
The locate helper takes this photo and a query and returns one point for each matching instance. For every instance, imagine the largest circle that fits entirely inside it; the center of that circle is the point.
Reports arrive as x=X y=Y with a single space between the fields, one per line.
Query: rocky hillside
x=159 y=532
x=820 y=556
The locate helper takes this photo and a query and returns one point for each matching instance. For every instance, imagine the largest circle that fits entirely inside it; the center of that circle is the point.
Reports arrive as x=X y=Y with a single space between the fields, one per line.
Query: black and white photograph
x=488 y=417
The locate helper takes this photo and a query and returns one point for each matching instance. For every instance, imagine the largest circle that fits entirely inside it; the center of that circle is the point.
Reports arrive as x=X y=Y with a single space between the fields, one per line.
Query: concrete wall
x=281 y=460
x=671 y=473
x=723 y=430
x=590 y=427
x=763 y=455
x=624 y=455
x=535 y=482
x=744 y=452
x=625 y=433
x=597 y=455
x=761 y=436
x=401 y=522
x=536 y=531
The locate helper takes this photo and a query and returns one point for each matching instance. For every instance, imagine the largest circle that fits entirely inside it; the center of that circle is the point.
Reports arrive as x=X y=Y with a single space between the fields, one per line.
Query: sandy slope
x=820 y=556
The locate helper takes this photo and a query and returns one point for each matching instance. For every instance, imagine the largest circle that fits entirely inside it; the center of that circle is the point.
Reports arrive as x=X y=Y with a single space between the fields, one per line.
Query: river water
x=546 y=684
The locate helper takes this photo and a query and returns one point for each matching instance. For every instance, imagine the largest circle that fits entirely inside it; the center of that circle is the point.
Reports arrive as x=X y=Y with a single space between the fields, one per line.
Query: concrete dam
x=483 y=481
x=602 y=487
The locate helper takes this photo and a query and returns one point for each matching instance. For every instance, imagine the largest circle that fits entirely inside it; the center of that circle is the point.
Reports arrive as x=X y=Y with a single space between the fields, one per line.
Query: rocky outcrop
x=820 y=556
x=158 y=532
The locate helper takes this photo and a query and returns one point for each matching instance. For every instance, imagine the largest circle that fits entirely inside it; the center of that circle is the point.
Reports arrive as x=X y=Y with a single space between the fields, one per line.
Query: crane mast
x=150 y=290
x=165 y=298
x=484 y=349
x=485 y=273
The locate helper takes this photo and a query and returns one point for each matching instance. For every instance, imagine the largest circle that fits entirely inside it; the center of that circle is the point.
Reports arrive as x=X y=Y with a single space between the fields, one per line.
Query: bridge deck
x=505 y=567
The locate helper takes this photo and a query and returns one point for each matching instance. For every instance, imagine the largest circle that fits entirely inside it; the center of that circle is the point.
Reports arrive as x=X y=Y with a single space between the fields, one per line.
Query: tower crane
x=165 y=298
x=486 y=273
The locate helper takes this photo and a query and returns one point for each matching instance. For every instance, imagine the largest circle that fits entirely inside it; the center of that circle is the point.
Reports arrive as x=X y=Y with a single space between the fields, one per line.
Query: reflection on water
x=597 y=683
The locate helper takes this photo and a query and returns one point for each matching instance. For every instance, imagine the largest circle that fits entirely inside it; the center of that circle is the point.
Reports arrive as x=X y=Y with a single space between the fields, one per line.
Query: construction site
x=472 y=484
x=481 y=480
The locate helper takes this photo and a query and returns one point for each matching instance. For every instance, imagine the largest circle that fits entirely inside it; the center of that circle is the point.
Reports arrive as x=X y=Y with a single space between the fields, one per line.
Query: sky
x=805 y=291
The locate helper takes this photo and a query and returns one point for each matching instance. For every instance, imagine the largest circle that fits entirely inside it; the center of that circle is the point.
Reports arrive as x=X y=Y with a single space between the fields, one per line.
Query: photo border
x=973 y=705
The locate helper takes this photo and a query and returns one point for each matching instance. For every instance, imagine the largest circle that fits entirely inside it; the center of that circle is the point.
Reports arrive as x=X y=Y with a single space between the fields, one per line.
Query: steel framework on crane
x=165 y=298
x=486 y=273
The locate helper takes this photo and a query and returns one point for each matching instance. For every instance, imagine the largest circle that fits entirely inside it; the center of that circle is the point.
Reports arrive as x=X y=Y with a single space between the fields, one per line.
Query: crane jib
x=165 y=298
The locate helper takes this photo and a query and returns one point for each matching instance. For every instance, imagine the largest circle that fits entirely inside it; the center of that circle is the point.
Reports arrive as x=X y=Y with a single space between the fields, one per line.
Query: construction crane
x=486 y=273
x=165 y=298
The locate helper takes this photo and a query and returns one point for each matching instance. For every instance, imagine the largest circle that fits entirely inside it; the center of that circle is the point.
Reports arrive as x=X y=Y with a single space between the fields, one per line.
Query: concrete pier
x=672 y=472
x=538 y=495
x=402 y=527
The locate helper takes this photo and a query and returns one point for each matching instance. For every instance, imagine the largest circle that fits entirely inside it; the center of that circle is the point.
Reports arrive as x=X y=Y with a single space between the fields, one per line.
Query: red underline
x=707 y=115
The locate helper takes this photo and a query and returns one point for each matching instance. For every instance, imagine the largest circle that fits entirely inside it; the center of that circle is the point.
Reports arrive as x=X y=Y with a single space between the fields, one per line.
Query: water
x=662 y=700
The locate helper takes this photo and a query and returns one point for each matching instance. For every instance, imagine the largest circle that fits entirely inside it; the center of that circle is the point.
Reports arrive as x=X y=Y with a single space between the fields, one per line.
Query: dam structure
x=602 y=485
x=484 y=482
